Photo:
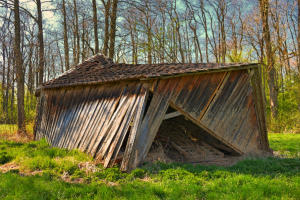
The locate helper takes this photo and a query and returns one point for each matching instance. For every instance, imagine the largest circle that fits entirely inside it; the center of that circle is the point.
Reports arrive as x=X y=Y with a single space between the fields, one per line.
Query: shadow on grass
x=256 y=167
x=9 y=144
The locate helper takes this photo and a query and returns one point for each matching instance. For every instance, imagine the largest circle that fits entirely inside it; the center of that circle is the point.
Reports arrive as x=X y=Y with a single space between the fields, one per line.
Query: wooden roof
x=99 y=69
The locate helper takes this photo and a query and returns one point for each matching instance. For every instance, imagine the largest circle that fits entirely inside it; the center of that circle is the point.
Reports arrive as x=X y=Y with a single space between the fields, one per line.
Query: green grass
x=274 y=179
x=287 y=145
x=269 y=178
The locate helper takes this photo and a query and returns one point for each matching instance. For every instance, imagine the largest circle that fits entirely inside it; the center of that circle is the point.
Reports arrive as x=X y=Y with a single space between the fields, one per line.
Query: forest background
x=41 y=39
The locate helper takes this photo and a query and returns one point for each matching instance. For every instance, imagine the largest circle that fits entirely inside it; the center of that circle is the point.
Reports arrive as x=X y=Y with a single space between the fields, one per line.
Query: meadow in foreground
x=33 y=170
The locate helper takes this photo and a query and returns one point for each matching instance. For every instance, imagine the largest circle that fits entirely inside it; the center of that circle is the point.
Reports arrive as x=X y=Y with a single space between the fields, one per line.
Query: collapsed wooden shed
x=118 y=112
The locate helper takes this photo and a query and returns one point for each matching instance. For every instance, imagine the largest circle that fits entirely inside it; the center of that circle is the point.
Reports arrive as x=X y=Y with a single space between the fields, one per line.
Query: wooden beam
x=128 y=157
x=215 y=94
x=172 y=115
x=152 y=120
x=187 y=115
x=260 y=107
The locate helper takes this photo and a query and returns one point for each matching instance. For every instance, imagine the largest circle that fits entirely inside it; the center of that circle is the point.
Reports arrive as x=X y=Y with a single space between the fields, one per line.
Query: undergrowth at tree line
x=288 y=112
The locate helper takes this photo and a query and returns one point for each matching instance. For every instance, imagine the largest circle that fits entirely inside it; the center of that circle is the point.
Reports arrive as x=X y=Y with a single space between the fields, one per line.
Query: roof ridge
x=95 y=58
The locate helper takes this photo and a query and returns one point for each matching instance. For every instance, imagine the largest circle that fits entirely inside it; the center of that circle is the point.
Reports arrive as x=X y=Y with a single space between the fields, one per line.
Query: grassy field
x=33 y=170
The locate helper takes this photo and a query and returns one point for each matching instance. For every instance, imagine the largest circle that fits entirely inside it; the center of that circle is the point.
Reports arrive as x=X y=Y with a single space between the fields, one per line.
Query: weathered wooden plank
x=39 y=110
x=153 y=118
x=135 y=131
x=260 y=108
x=110 y=95
x=71 y=110
x=90 y=117
x=116 y=144
x=114 y=125
x=47 y=119
x=41 y=125
x=85 y=120
x=201 y=92
x=214 y=95
x=81 y=120
x=172 y=115
x=230 y=106
x=64 y=118
x=82 y=96
x=55 y=113
x=46 y=116
x=104 y=120
x=193 y=92
x=99 y=111
x=185 y=86
x=115 y=119
x=133 y=114
x=109 y=106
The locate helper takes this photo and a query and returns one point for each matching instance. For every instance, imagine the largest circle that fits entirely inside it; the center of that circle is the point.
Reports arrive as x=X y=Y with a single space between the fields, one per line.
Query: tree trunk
x=106 y=28
x=95 y=26
x=298 y=41
x=4 y=86
x=149 y=44
x=222 y=5
x=82 y=40
x=205 y=29
x=273 y=89
x=177 y=27
x=8 y=80
x=66 y=44
x=12 y=100
x=19 y=71
x=60 y=57
x=77 y=33
x=298 y=36
x=41 y=42
x=131 y=25
x=113 y=20
x=30 y=69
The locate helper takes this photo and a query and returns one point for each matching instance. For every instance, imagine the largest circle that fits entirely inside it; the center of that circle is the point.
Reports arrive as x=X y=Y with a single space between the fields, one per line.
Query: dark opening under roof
x=99 y=69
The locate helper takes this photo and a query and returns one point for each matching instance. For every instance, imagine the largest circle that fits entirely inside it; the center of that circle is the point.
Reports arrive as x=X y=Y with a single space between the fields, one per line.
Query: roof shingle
x=99 y=69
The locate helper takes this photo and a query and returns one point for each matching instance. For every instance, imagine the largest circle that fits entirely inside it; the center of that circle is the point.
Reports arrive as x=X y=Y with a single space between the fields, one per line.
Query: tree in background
x=66 y=43
x=264 y=9
x=41 y=42
x=19 y=70
x=157 y=31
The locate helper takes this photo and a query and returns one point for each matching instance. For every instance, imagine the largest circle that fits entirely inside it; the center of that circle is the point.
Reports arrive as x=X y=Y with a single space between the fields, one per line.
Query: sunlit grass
x=287 y=145
x=48 y=170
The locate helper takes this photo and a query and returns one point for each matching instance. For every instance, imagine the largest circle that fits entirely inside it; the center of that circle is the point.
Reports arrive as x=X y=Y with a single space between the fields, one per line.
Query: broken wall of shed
x=223 y=104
